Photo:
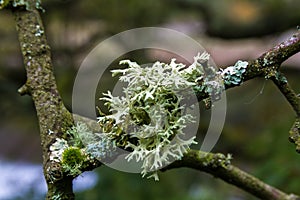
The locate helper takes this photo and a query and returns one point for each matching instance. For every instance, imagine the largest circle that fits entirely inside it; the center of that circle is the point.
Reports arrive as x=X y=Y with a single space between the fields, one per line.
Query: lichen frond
x=156 y=90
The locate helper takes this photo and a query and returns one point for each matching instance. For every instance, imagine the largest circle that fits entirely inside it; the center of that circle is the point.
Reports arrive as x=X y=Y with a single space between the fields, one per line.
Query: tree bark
x=53 y=118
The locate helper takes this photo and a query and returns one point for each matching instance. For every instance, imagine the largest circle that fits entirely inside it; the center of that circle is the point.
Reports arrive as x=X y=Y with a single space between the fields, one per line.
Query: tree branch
x=267 y=65
x=219 y=166
x=281 y=82
x=271 y=60
x=53 y=115
x=40 y=84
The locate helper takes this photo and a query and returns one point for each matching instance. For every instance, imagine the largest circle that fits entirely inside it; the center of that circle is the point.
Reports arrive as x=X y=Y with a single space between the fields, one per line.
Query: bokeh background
x=258 y=117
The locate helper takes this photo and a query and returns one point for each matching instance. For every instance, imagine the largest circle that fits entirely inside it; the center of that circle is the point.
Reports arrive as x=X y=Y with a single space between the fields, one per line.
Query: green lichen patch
x=233 y=75
x=80 y=149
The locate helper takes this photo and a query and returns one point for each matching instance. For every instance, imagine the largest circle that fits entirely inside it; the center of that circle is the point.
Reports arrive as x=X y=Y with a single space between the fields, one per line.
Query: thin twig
x=283 y=85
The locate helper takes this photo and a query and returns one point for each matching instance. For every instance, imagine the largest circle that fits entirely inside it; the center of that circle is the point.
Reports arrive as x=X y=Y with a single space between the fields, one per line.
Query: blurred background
x=258 y=117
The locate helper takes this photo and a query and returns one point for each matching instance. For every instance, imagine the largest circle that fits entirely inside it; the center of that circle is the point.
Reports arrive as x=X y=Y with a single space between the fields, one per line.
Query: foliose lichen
x=233 y=75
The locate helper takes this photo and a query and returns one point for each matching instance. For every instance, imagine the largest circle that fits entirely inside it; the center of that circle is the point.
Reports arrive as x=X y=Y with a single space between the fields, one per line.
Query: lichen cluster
x=82 y=147
x=149 y=120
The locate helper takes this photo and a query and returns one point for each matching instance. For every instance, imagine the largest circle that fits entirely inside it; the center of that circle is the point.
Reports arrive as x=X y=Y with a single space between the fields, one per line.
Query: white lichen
x=157 y=90
x=57 y=149
x=38 y=31
x=94 y=145
x=82 y=147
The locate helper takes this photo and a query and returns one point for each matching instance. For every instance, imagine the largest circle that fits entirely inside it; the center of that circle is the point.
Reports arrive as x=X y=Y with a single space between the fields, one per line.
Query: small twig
x=283 y=85
x=273 y=58
x=219 y=166
x=24 y=90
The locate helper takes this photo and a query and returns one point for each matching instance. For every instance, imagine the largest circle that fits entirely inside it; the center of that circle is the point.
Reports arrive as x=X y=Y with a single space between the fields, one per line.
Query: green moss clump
x=72 y=160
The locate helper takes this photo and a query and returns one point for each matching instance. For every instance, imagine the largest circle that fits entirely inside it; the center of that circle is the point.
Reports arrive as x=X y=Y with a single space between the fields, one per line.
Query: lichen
x=95 y=145
x=70 y=158
x=208 y=80
x=21 y=3
x=233 y=75
x=82 y=147
x=39 y=31
x=157 y=90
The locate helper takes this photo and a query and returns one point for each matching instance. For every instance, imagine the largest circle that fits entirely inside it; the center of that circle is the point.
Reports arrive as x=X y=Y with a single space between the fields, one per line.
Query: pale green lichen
x=70 y=158
x=57 y=148
x=157 y=91
x=205 y=76
x=233 y=75
x=83 y=146
x=95 y=145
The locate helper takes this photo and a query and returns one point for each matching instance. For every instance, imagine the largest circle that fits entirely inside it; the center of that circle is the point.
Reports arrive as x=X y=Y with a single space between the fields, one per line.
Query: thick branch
x=267 y=65
x=219 y=166
x=272 y=59
x=40 y=84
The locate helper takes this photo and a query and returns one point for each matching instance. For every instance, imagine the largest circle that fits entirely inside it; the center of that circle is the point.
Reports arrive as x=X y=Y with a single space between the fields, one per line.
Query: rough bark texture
x=41 y=85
